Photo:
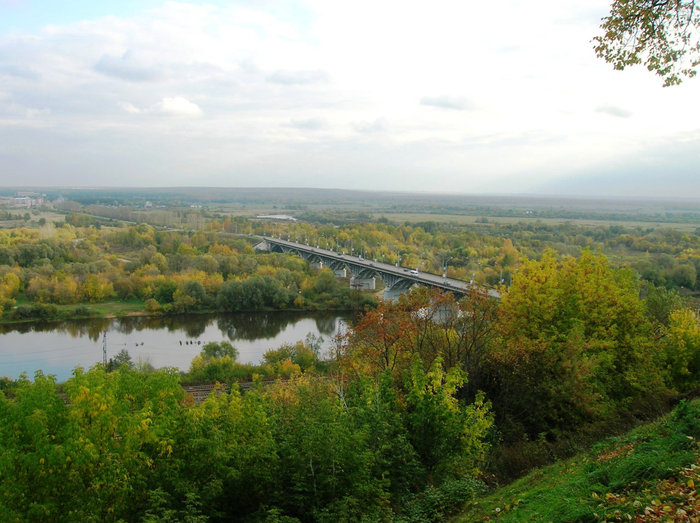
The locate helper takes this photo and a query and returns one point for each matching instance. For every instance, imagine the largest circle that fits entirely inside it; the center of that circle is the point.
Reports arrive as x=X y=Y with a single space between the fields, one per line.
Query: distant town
x=23 y=200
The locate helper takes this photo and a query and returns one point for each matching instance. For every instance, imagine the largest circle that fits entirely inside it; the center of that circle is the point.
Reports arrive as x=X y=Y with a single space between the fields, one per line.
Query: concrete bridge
x=397 y=280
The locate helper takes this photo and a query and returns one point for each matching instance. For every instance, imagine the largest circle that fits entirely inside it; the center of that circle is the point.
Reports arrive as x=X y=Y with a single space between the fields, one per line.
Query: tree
x=576 y=344
x=682 y=349
x=122 y=359
x=661 y=34
x=449 y=438
x=219 y=350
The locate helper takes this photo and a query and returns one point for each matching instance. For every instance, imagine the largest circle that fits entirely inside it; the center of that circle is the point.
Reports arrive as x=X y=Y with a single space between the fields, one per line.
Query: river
x=58 y=347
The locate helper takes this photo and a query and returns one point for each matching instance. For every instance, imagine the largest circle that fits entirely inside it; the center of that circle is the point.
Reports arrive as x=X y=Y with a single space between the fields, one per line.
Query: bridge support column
x=341 y=273
x=365 y=284
x=318 y=265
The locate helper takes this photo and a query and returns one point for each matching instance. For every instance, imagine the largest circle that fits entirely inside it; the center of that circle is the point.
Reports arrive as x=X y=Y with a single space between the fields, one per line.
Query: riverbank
x=28 y=312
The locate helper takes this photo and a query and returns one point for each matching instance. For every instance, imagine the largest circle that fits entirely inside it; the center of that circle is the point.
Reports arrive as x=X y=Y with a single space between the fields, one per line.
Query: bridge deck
x=422 y=278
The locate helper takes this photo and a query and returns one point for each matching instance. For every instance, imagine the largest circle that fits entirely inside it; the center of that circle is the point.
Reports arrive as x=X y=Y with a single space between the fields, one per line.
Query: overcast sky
x=440 y=96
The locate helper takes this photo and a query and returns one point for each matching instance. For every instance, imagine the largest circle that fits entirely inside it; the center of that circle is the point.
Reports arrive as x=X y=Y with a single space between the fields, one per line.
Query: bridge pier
x=318 y=265
x=364 y=284
x=342 y=272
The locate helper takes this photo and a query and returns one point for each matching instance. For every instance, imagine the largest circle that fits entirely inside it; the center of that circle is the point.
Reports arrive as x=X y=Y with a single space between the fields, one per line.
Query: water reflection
x=76 y=328
x=57 y=347
x=326 y=326
x=249 y=326
x=255 y=326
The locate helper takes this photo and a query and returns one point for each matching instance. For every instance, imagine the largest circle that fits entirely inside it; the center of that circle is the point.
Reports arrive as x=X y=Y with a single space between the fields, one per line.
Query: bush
x=438 y=503
x=81 y=310
x=36 y=311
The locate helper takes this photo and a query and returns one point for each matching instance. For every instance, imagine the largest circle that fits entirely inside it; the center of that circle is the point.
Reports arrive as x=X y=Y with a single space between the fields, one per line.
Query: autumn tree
x=575 y=343
x=660 y=34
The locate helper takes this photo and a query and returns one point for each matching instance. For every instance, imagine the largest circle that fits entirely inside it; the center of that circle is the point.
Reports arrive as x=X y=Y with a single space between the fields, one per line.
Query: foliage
x=448 y=439
x=122 y=360
x=127 y=446
x=681 y=345
x=303 y=355
x=438 y=503
x=662 y=34
x=619 y=480
x=575 y=344
x=219 y=350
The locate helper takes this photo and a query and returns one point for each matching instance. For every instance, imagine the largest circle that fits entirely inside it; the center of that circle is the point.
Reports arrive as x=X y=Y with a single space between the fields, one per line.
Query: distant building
x=286 y=217
x=22 y=200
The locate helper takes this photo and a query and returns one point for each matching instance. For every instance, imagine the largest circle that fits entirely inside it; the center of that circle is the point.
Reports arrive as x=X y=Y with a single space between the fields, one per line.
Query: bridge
x=397 y=280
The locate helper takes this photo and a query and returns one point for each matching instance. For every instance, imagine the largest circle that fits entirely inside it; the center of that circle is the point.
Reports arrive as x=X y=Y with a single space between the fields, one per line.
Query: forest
x=424 y=405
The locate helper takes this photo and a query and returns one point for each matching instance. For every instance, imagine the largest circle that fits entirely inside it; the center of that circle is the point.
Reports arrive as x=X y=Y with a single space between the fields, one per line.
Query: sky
x=444 y=97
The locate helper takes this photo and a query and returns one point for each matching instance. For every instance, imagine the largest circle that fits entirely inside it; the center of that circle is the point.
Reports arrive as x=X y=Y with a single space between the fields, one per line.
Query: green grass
x=621 y=478
x=91 y=310
x=116 y=308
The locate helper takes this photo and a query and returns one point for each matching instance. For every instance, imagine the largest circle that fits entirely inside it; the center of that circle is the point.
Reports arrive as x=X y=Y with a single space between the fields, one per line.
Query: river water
x=58 y=347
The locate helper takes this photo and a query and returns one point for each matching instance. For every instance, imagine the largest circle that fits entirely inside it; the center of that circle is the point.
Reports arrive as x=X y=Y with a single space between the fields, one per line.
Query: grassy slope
x=649 y=474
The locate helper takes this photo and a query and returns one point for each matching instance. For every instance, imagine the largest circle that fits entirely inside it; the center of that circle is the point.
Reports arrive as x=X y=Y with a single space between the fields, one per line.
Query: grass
x=116 y=308
x=648 y=474
x=462 y=219
x=111 y=309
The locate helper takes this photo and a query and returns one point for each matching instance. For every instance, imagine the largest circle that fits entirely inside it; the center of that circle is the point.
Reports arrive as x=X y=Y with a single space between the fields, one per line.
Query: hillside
x=649 y=474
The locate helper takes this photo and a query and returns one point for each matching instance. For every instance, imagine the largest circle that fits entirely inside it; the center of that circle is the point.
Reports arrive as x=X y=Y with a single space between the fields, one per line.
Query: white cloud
x=458 y=103
x=298 y=77
x=312 y=124
x=176 y=106
x=129 y=108
x=613 y=110
x=128 y=68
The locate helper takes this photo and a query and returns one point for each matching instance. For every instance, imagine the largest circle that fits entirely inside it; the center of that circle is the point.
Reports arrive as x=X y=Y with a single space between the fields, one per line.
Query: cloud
x=32 y=112
x=19 y=72
x=298 y=77
x=126 y=67
x=457 y=103
x=612 y=110
x=376 y=126
x=312 y=124
x=129 y=108
x=176 y=106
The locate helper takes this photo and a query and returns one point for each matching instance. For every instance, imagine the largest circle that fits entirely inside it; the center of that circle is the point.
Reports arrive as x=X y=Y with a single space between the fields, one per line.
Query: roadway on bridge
x=424 y=278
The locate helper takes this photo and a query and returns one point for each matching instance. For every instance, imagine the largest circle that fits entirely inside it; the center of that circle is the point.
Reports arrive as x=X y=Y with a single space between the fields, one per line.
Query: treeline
x=169 y=271
x=491 y=253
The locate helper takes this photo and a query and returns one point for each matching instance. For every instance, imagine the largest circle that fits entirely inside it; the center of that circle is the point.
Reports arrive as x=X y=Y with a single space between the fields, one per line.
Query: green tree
x=121 y=360
x=682 y=349
x=449 y=438
x=575 y=344
x=219 y=350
